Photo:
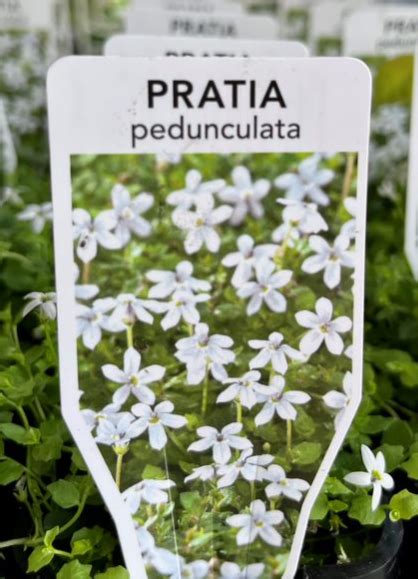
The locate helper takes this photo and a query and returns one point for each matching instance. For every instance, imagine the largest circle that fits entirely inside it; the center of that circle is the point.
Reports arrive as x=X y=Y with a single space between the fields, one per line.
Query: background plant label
x=132 y=45
x=411 y=232
x=26 y=14
x=221 y=25
x=208 y=233
x=380 y=30
x=191 y=5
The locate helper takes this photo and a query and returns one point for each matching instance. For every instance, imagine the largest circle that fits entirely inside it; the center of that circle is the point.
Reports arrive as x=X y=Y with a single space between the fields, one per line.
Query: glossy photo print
x=214 y=308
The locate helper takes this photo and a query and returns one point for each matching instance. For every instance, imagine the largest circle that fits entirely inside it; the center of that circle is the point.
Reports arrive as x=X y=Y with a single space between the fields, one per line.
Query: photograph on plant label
x=214 y=319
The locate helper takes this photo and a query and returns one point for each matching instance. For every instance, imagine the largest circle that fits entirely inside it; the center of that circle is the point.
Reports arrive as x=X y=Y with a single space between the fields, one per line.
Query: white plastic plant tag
x=130 y=45
x=411 y=232
x=381 y=31
x=205 y=265
x=208 y=6
x=221 y=25
x=8 y=157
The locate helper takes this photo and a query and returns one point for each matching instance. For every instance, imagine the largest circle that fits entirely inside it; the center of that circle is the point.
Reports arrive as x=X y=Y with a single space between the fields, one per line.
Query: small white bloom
x=220 y=442
x=375 y=475
x=83 y=291
x=165 y=158
x=304 y=216
x=168 y=282
x=265 y=288
x=274 y=352
x=117 y=433
x=257 y=523
x=202 y=353
x=195 y=187
x=232 y=570
x=200 y=224
x=109 y=412
x=339 y=400
x=92 y=320
x=203 y=473
x=330 y=258
x=127 y=214
x=156 y=419
x=246 y=389
x=309 y=182
x=162 y=560
x=46 y=302
x=134 y=381
x=130 y=309
x=286 y=231
x=251 y=468
x=245 y=195
x=182 y=306
x=38 y=215
x=280 y=485
x=149 y=491
x=280 y=402
x=195 y=570
x=245 y=259
x=91 y=233
x=322 y=328
x=349 y=228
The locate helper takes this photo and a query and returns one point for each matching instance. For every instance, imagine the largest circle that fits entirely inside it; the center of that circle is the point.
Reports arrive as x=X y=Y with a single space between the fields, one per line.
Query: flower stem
x=49 y=341
x=119 y=463
x=351 y=160
x=205 y=394
x=130 y=336
x=289 y=436
x=239 y=411
x=85 y=276
x=252 y=488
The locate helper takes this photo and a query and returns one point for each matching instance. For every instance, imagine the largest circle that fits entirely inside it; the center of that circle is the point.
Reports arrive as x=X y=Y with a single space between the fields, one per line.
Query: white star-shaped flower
x=220 y=442
x=246 y=257
x=203 y=473
x=322 y=328
x=182 y=306
x=246 y=389
x=149 y=491
x=274 y=352
x=308 y=182
x=134 y=381
x=168 y=282
x=349 y=228
x=251 y=468
x=200 y=225
x=265 y=288
x=46 y=302
x=195 y=187
x=288 y=232
x=245 y=195
x=281 y=485
x=156 y=419
x=118 y=433
x=162 y=560
x=232 y=570
x=129 y=309
x=127 y=214
x=339 y=400
x=165 y=158
x=257 y=523
x=330 y=258
x=92 y=320
x=109 y=412
x=280 y=402
x=92 y=233
x=375 y=476
x=195 y=570
x=38 y=215
x=304 y=216
x=202 y=353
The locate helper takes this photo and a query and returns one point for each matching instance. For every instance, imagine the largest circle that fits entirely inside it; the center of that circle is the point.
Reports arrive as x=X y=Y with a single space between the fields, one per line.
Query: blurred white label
x=190 y=5
x=411 y=230
x=25 y=14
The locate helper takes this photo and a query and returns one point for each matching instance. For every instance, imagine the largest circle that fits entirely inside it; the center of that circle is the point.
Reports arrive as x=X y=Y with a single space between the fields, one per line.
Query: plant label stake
x=411 y=233
x=209 y=223
x=132 y=45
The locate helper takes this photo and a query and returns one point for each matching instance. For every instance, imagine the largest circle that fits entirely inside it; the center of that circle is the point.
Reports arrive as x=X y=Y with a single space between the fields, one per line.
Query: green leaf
x=113 y=573
x=307 y=452
x=50 y=536
x=334 y=486
x=404 y=506
x=19 y=434
x=398 y=433
x=191 y=501
x=411 y=466
x=65 y=494
x=394 y=455
x=337 y=506
x=10 y=471
x=74 y=570
x=320 y=508
x=361 y=511
x=154 y=472
x=39 y=558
